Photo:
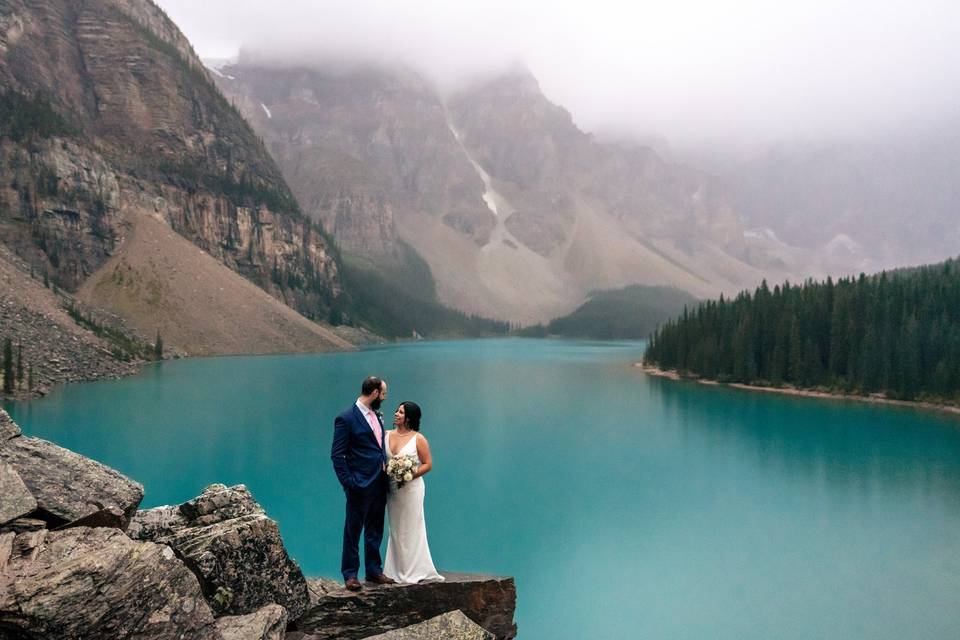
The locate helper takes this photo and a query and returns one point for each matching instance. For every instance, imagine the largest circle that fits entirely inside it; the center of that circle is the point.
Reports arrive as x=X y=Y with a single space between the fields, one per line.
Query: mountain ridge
x=576 y=215
x=110 y=120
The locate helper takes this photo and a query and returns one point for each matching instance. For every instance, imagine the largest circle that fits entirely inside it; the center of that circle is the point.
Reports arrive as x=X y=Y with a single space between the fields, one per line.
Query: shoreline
x=672 y=374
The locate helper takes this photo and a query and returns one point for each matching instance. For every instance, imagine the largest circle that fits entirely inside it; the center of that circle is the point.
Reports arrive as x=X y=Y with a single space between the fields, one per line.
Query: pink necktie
x=375 y=425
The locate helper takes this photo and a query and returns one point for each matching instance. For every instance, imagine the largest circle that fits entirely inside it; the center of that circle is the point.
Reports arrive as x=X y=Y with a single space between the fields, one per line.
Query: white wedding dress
x=408 y=556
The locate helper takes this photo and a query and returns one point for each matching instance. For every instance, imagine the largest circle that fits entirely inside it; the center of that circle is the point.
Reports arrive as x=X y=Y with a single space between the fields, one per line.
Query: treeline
x=16 y=374
x=896 y=333
x=23 y=116
x=123 y=347
x=629 y=313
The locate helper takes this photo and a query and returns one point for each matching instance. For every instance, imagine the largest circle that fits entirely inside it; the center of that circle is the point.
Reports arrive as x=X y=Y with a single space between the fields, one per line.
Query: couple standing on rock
x=360 y=452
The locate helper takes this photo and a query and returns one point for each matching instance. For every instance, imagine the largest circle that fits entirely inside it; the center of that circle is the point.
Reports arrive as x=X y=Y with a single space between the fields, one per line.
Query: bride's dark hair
x=412 y=413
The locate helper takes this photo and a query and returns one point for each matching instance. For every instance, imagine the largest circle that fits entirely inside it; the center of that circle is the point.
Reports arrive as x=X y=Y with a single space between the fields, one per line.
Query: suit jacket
x=357 y=458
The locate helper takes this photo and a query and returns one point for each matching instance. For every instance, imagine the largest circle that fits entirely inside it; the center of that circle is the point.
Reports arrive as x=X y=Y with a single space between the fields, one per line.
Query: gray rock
x=233 y=548
x=266 y=623
x=8 y=428
x=97 y=584
x=21 y=525
x=218 y=503
x=15 y=499
x=6 y=548
x=66 y=485
x=156 y=523
x=335 y=612
x=448 y=626
x=27 y=545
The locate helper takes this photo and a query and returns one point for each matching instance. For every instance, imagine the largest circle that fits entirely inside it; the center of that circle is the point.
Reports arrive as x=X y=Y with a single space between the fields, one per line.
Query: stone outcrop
x=233 y=547
x=212 y=568
x=267 y=623
x=449 y=626
x=66 y=485
x=98 y=584
x=335 y=612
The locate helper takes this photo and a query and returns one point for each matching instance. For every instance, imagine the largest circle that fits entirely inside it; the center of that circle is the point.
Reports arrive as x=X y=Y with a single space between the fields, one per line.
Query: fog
x=691 y=72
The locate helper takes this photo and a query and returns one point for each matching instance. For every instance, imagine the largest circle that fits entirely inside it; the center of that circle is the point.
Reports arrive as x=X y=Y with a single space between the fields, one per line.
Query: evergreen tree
x=19 y=365
x=8 y=373
x=896 y=332
x=158 y=347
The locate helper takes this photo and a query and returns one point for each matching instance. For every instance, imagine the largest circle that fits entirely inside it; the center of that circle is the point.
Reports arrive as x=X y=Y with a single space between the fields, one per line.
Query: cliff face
x=554 y=174
x=517 y=212
x=362 y=150
x=108 y=115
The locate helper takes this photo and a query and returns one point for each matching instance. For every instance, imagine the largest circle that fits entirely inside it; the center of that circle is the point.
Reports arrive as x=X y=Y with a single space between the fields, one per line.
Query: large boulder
x=98 y=584
x=335 y=612
x=449 y=626
x=236 y=551
x=66 y=485
x=15 y=499
x=267 y=623
x=8 y=428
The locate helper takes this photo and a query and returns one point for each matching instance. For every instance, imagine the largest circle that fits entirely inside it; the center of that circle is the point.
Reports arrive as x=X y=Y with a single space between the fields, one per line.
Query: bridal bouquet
x=401 y=468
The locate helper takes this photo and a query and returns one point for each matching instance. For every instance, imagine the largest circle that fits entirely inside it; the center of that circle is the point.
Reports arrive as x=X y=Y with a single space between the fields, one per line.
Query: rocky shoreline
x=672 y=374
x=79 y=559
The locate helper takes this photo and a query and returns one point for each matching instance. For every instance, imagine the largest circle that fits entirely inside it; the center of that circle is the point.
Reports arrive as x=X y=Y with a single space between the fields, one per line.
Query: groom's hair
x=370 y=385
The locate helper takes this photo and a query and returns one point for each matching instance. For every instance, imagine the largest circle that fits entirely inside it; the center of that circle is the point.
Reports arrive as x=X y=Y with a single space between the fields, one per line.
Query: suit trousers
x=365 y=508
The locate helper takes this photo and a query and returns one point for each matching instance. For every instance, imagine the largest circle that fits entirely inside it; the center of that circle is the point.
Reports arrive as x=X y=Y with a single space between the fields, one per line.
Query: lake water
x=625 y=506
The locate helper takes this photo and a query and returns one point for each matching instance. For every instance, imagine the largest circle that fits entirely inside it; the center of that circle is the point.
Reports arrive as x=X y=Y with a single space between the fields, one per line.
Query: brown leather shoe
x=352 y=584
x=381 y=579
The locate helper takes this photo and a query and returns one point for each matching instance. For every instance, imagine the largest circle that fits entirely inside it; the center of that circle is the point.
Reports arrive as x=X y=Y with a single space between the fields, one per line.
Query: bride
x=408 y=556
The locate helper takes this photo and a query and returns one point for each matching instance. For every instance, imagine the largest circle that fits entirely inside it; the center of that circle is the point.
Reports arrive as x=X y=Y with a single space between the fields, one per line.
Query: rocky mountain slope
x=51 y=345
x=111 y=129
x=880 y=201
x=517 y=212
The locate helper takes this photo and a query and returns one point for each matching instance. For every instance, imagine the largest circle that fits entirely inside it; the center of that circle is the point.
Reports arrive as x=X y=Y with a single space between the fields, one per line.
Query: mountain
x=130 y=181
x=517 y=213
x=630 y=313
x=874 y=202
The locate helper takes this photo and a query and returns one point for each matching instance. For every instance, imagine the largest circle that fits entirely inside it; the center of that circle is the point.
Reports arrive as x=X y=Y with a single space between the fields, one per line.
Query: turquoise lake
x=625 y=506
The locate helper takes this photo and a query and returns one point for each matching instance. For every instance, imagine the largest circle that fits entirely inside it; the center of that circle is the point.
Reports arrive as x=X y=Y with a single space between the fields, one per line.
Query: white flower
x=407 y=477
x=407 y=463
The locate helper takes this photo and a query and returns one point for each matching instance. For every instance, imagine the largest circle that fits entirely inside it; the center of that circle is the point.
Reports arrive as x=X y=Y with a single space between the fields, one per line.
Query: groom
x=359 y=458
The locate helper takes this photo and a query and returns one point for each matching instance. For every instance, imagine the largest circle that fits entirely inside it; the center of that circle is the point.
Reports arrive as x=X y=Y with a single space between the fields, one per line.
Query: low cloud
x=692 y=72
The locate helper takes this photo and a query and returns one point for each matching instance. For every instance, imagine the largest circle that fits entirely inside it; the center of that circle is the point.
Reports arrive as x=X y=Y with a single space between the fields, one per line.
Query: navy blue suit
x=359 y=460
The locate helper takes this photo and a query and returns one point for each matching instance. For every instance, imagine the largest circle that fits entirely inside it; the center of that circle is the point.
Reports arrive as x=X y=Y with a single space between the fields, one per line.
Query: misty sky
x=691 y=71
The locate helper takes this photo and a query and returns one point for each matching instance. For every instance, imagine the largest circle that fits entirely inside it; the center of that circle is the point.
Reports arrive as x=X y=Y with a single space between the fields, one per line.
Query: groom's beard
x=375 y=404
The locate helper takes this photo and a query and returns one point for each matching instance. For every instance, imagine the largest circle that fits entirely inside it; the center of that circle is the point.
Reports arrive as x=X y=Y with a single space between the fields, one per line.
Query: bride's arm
x=423 y=452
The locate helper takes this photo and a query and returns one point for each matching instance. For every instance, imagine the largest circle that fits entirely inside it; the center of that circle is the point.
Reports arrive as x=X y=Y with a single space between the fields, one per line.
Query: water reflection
x=857 y=447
